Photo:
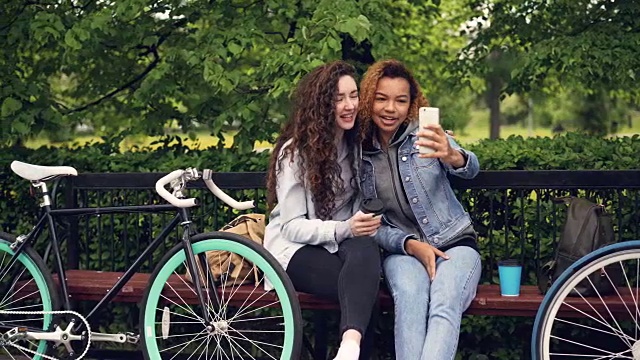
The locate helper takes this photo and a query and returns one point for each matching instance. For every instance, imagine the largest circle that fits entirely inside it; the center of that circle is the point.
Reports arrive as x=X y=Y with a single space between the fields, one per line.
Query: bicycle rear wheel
x=603 y=325
x=27 y=288
x=249 y=323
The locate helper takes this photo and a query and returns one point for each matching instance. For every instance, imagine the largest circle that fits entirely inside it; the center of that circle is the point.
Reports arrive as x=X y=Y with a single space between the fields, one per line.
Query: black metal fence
x=513 y=212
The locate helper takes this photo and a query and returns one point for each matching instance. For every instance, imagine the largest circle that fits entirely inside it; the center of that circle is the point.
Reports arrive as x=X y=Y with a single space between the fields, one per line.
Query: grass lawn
x=477 y=129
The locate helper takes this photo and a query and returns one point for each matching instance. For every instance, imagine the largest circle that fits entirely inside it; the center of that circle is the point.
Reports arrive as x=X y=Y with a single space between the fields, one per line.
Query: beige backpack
x=251 y=226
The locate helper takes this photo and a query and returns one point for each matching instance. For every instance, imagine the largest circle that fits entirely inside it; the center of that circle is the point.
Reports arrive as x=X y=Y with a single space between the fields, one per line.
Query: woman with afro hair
x=315 y=229
x=432 y=265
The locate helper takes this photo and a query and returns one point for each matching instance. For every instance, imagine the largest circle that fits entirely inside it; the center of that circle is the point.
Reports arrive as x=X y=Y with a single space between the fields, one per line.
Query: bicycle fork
x=202 y=281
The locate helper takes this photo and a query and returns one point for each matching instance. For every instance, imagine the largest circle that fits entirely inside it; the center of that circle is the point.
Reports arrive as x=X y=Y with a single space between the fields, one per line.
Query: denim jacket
x=439 y=213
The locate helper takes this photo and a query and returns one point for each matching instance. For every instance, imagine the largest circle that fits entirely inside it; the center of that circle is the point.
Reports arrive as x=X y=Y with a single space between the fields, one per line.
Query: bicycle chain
x=77 y=315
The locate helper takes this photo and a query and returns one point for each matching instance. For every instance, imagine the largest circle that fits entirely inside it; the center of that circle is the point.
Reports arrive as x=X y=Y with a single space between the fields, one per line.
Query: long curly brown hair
x=392 y=69
x=312 y=130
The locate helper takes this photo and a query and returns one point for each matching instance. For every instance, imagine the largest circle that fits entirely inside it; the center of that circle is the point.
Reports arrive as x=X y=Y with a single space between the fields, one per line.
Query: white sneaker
x=349 y=350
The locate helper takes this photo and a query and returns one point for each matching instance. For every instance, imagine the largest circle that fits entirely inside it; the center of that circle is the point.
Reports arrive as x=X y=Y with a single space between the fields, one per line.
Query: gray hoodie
x=390 y=189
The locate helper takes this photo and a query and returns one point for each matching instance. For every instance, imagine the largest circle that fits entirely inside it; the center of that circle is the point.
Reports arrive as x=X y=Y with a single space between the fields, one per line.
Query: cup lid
x=373 y=205
x=509 y=262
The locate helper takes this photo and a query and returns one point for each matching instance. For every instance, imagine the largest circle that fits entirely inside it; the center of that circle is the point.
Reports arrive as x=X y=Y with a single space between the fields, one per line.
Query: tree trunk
x=494 y=86
x=493 y=102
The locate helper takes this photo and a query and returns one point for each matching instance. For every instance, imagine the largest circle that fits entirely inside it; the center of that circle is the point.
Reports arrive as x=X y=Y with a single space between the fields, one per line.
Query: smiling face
x=390 y=106
x=346 y=103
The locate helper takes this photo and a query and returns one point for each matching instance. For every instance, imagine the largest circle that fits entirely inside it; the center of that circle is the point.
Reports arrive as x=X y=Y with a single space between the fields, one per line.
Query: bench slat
x=92 y=285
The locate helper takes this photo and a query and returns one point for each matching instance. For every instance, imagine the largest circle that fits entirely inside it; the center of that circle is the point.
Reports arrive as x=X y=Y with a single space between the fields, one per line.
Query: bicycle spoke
x=230 y=339
x=206 y=349
x=252 y=310
x=608 y=310
x=25 y=289
x=198 y=320
x=10 y=291
x=624 y=303
x=592 y=328
x=183 y=308
x=259 y=319
x=185 y=343
x=268 y=333
x=583 y=345
x=183 y=335
x=601 y=322
x=254 y=343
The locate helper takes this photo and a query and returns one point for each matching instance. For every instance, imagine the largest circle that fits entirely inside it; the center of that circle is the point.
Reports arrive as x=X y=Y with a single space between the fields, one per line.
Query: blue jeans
x=428 y=314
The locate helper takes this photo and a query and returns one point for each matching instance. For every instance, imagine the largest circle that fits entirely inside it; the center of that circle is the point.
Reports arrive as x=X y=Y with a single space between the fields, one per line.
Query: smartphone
x=426 y=116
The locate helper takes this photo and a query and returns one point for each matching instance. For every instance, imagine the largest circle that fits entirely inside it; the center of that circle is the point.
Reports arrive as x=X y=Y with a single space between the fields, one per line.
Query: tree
x=139 y=65
x=588 y=44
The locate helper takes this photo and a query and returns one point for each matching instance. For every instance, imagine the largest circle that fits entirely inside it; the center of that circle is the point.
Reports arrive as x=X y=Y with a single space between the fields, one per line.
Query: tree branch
x=258 y=91
x=245 y=6
x=284 y=39
x=292 y=30
x=114 y=92
x=15 y=18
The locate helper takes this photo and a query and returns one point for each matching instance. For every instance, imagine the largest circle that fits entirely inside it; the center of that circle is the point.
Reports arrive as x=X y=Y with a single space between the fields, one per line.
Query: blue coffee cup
x=510 y=272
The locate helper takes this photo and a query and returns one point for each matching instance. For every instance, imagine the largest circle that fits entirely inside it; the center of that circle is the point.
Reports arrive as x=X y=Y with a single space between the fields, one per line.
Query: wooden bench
x=92 y=285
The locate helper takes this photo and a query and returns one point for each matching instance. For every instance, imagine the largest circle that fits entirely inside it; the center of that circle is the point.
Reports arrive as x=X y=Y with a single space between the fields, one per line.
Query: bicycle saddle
x=40 y=173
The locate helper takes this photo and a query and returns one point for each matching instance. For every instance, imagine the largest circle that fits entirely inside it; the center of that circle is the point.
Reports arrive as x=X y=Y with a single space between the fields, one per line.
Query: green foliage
x=514 y=109
x=146 y=65
x=141 y=65
x=577 y=42
x=572 y=151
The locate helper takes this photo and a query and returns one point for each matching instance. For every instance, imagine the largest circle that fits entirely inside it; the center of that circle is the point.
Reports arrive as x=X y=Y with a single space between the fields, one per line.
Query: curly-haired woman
x=431 y=232
x=316 y=230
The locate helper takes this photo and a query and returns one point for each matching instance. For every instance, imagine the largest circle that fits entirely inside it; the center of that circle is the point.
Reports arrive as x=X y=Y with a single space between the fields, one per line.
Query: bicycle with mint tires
x=37 y=320
x=576 y=320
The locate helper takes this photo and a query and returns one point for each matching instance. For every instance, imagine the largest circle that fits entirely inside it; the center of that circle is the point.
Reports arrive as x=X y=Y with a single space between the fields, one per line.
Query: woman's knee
x=456 y=281
x=406 y=277
x=361 y=251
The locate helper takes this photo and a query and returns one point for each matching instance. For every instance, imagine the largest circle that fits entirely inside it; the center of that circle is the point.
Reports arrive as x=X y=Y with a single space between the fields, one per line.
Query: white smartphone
x=426 y=116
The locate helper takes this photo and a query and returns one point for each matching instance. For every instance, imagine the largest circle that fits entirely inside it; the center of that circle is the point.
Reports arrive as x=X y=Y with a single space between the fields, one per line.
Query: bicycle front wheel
x=247 y=323
x=579 y=320
x=26 y=291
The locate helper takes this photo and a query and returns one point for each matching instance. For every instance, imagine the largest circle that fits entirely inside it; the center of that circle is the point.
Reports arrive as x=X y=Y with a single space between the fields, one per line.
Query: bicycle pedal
x=17 y=333
x=133 y=338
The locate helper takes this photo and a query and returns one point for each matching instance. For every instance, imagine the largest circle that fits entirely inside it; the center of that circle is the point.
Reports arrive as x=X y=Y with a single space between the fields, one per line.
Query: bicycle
x=609 y=327
x=38 y=323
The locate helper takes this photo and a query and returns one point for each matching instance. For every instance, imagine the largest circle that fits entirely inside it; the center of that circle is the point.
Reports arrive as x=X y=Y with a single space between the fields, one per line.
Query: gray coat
x=293 y=223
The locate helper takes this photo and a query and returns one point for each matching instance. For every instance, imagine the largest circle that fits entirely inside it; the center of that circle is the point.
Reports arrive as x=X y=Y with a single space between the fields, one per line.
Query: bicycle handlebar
x=192 y=174
x=215 y=190
x=172 y=199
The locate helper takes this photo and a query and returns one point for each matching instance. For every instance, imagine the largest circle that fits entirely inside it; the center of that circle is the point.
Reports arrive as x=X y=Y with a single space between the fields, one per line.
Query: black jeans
x=350 y=276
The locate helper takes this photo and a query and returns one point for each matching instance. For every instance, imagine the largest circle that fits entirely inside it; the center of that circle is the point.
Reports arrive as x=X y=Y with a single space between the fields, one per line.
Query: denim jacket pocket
x=367 y=181
x=419 y=162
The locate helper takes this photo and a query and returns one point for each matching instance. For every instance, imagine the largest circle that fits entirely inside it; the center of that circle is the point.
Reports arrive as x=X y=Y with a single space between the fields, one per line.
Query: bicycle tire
x=561 y=287
x=268 y=265
x=44 y=285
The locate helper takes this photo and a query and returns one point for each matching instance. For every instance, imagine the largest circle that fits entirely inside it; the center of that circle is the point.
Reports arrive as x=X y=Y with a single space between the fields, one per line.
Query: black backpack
x=587 y=228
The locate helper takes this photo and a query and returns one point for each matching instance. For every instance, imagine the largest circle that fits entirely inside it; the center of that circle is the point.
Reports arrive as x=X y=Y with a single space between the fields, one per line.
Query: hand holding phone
x=427 y=116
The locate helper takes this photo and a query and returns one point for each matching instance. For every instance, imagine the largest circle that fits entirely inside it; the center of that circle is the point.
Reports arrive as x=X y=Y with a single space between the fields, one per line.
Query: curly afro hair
x=392 y=69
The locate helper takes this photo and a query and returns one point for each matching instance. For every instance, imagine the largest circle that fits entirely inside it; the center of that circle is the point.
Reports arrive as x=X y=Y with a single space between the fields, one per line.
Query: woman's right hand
x=364 y=224
x=426 y=254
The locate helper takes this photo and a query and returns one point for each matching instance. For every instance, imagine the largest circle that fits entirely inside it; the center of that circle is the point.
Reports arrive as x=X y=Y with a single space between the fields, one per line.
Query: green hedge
x=482 y=337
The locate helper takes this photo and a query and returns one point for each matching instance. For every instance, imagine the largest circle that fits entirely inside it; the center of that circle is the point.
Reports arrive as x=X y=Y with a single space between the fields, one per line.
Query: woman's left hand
x=433 y=136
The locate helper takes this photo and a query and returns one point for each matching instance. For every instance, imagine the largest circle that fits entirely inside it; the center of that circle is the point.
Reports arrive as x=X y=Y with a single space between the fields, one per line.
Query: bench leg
x=321 y=332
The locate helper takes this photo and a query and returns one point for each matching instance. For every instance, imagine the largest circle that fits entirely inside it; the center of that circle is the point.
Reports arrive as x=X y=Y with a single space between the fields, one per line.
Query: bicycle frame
x=181 y=218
